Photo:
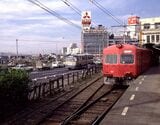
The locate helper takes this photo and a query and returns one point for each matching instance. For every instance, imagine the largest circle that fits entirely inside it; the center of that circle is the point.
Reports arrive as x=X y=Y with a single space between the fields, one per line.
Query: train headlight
x=111 y=71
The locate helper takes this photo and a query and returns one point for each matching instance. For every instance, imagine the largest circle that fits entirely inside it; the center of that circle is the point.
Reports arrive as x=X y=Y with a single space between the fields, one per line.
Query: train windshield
x=127 y=59
x=111 y=59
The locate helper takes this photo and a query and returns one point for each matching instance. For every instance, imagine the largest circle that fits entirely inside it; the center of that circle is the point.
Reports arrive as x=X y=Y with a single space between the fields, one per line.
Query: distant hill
x=12 y=54
x=6 y=54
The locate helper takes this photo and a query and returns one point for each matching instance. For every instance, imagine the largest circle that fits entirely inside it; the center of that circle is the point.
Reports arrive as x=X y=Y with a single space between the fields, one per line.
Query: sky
x=40 y=32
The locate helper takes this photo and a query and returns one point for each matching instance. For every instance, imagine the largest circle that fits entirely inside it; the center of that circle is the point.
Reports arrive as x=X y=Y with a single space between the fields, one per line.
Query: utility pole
x=124 y=34
x=56 y=49
x=17 y=47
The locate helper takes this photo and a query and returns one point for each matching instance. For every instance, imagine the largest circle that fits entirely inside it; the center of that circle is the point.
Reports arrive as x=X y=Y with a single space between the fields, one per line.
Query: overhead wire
x=78 y=11
x=42 y=6
x=73 y=7
x=107 y=12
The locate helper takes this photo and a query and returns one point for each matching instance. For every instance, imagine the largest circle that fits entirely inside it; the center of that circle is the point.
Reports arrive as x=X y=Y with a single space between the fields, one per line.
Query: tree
x=13 y=89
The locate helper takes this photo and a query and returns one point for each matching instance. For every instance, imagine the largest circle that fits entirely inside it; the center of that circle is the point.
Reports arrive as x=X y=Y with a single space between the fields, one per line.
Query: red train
x=124 y=61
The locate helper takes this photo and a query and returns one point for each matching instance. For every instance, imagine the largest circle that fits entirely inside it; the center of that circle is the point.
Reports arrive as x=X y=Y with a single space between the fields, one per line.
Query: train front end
x=118 y=63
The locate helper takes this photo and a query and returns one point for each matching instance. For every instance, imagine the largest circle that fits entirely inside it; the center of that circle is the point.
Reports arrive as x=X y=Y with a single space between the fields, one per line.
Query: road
x=45 y=73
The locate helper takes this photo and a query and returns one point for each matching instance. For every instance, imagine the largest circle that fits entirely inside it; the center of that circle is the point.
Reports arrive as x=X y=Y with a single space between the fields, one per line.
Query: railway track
x=84 y=105
x=94 y=112
x=34 y=114
x=81 y=110
x=74 y=103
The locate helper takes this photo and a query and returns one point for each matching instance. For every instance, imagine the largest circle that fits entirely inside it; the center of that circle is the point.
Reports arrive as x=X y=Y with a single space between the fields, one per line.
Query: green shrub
x=14 y=85
x=13 y=88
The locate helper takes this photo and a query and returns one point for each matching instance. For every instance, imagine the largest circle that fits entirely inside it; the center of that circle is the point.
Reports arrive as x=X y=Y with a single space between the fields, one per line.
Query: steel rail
x=50 y=114
x=48 y=103
x=85 y=103
x=83 y=109
x=99 y=118
x=37 y=108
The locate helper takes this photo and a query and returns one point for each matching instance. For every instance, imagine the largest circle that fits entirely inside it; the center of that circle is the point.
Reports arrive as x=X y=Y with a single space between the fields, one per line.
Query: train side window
x=70 y=59
x=78 y=58
x=127 y=59
x=111 y=59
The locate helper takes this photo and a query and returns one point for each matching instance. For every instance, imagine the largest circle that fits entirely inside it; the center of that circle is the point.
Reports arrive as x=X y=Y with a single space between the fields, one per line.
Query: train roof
x=123 y=46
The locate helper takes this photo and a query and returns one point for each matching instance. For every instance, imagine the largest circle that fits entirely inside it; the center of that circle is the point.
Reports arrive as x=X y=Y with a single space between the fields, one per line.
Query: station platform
x=140 y=104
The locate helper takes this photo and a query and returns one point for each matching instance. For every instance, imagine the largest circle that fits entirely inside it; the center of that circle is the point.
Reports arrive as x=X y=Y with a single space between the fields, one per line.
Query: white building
x=72 y=49
x=146 y=30
x=64 y=50
x=150 y=30
x=133 y=27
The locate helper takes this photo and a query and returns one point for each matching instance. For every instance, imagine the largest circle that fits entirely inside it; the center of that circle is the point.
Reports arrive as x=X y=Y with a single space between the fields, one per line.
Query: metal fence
x=39 y=88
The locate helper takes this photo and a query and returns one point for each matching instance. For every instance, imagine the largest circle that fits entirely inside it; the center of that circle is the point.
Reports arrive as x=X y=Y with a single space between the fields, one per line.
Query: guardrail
x=39 y=88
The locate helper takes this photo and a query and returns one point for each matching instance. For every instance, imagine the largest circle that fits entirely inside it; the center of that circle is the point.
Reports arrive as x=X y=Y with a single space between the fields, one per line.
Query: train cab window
x=111 y=59
x=127 y=59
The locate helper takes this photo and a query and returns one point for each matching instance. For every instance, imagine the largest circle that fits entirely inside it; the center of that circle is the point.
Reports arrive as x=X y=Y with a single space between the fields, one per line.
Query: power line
x=72 y=6
x=39 y=4
x=42 y=6
x=78 y=11
x=107 y=12
x=133 y=25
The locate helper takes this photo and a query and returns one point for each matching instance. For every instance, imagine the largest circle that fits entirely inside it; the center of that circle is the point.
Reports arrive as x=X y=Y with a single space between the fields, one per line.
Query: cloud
x=24 y=20
x=21 y=6
x=114 y=5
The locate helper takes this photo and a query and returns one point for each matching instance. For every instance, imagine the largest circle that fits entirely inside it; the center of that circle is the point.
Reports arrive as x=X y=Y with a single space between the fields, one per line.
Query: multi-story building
x=72 y=49
x=133 y=27
x=64 y=51
x=146 y=30
x=4 y=59
x=119 y=39
x=94 y=40
x=150 y=30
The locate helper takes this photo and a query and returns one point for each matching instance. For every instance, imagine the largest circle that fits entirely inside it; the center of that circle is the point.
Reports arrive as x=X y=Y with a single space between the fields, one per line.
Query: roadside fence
x=42 y=87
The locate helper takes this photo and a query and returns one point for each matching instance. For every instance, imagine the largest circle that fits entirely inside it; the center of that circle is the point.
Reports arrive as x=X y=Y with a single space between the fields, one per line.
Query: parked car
x=23 y=67
x=97 y=61
x=57 y=64
x=40 y=65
